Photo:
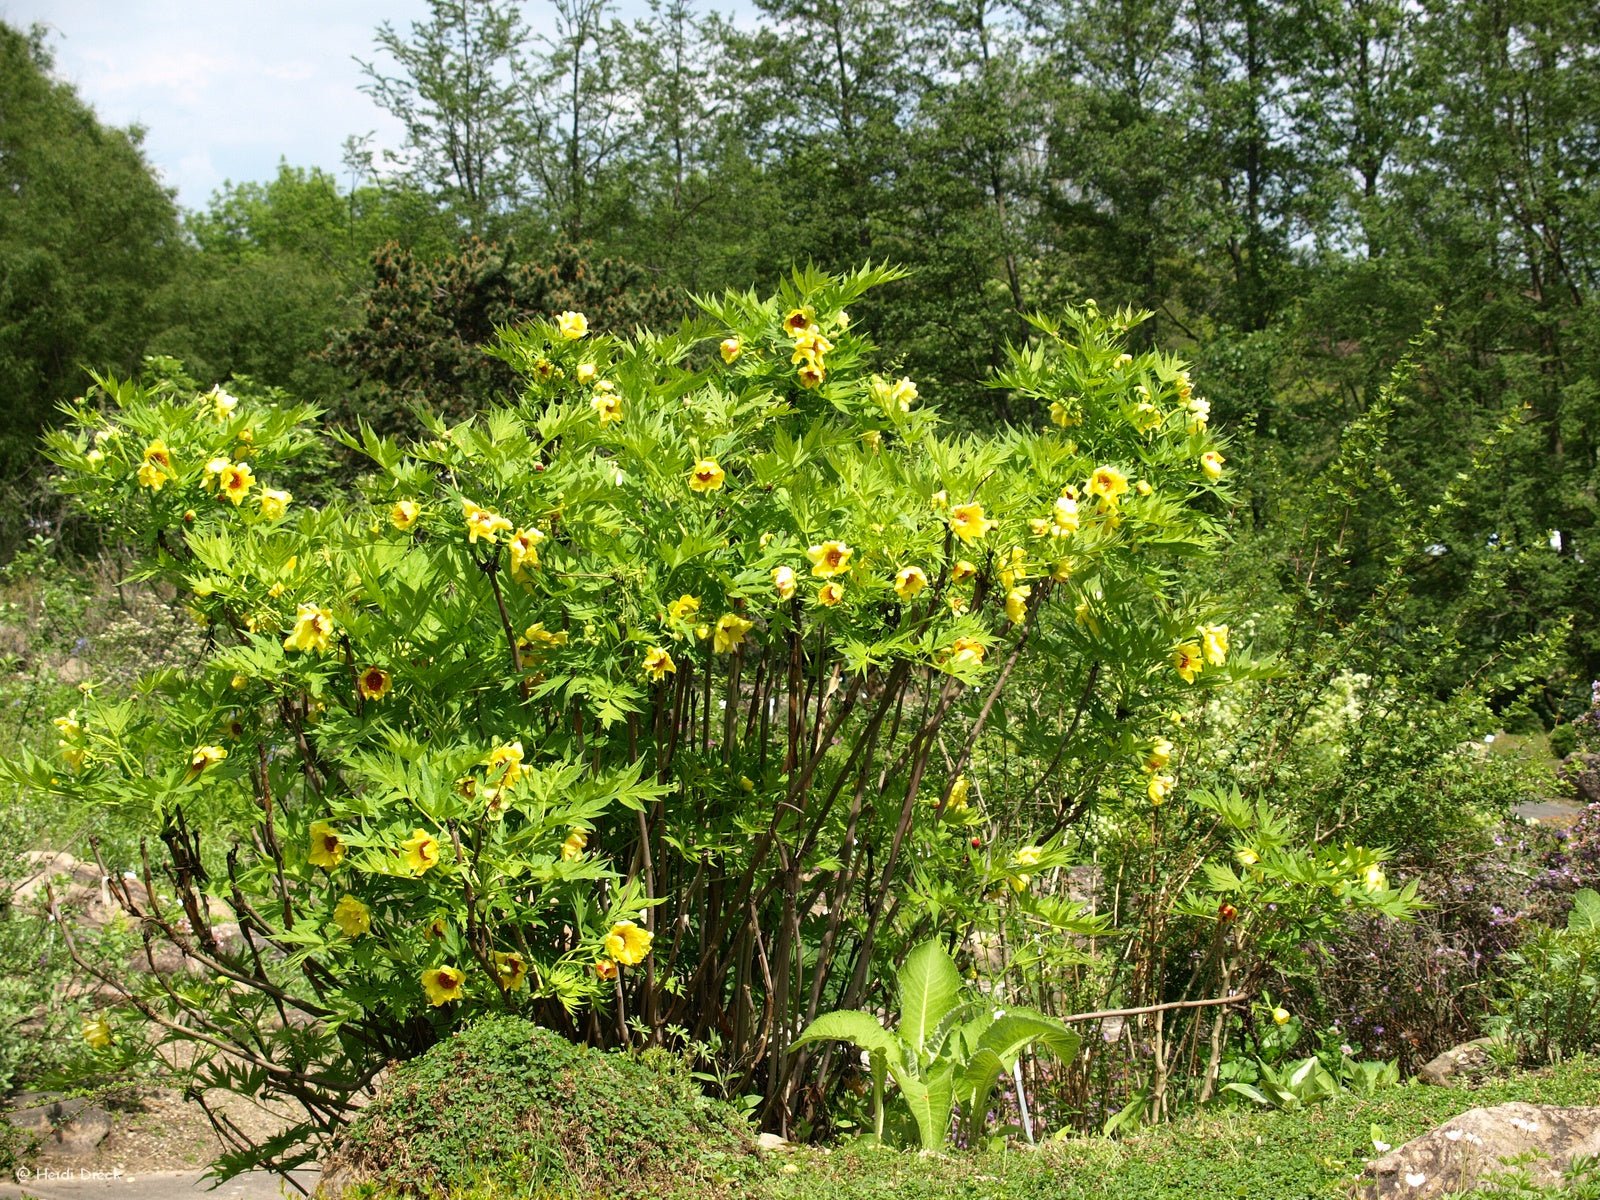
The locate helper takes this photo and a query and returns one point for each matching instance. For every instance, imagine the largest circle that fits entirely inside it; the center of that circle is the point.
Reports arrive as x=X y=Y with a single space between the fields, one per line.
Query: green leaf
x=929 y=988
x=860 y=1029
x=1585 y=914
x=1021 y=1027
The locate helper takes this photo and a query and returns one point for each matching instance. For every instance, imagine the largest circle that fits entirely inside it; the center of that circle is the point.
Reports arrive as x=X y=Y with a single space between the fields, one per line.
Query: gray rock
x=1471 y=1147
x=1464 y=1059
x=63 y=1126
x=771 y=1142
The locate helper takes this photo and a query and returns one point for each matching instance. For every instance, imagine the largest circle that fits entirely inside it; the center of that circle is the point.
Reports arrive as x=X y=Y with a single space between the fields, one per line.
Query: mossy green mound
x=519 y=1111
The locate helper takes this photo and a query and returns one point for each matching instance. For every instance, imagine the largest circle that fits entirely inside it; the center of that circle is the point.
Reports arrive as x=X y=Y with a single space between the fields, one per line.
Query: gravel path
x=74 y=1183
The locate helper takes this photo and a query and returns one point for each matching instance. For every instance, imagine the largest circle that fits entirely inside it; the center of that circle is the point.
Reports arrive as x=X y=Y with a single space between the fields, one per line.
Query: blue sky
x=224 y=89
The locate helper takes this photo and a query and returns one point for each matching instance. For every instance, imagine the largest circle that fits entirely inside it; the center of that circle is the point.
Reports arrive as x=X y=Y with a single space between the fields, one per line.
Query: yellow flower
x=1065 y=414
x=69 y=726
x=1184 y=386
x=893 y=396
x=235 y=480
x=1039 y=526
x=327 y=849
x=97 y=1032
x=1062 y=571
x=1013 y=565
x=908 y=581
x=940 y=500
x=684 y=607
x=509 y=970
x=1211 y=464
x=1187 y=660
x=967 y=652
x=536 y=637
x=404 y=514
x=1248 y=857
x=573 y=325
x=830 y=594
x=443 y=985
x=206 y=756
x=1159 y=788
x=1199 y=412
x=783 y=582
x=605 y=969
x=731 y=348
x=152 y=476
x=94 y=458
x=157 y=454
x=606 y=404
x=962 y=571
x=420 y=852
x=1017 y=605
x=1146 y=416
x=872 y=439
x=1108 y=483
x=968 y=522
x=628 y=944
x=811 y=374
x=829 y=559
x=706 y=476
x=1124 y=360
x=373 y=683
x=222 y=404
x=352 y=916
x=577 y=842
x=657 y=663
x=1143 y=487
x=482 y=523
x=800 y=319
x=1159 y=755
x=1028 y=856
x=586 y=372
x=1214 y=643
x=525 y=552
x=810 y=347
x=958 y=795
x=1373 y=879
x=313 y=630
x=504 y=764
x=274 y=503
x=730 y=632
x=1280 y=1016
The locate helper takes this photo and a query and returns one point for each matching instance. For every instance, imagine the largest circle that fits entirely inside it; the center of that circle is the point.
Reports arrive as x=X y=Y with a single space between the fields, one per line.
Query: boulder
x=63 y=1126
x=1469 y=1058
x=1466 y=1149
x=1582 y=771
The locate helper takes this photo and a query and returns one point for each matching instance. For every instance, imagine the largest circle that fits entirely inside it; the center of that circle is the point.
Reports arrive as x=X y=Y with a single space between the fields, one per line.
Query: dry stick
x=705 y=706
x=1068 y=734
x=756 y=701
x=730 y=713
x=491 y=568
x=796 y=674
x=265 y=797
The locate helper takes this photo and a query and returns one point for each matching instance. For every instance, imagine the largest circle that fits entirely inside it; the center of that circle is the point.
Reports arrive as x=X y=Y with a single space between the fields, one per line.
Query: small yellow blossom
x=967 y=652
x=1146 y=417
x=352 y=917
x=577 y=842
x=524 y=547
x=829 y=559
x=1187 y=660
x=1124 y=360
x=810 y=347
x=239 y=682
x=1064 y=516
x=1198 y=412
x=504 y=764
x=893 y=397
x=1108 y=483
x=1247 y=857
x=1214 y=644
x=443 y=985
x=968 y=523
x=404 y=514
x=800 y=319
x=1373 y=879
x=605 y=969
x=327 y=849
x=940 y=500
x=509 y=970
x=830 y=594
x=483 y=523
x=783 y=582
x=684 y=607
x=1159 y=788
x=152 y=476
x=1067 y=414
x=222 y=404
x=1017 y=605
x=957 y=801
x=731 y=348
x=1158 y=756
x=573 y=325
x=586 y=372
x=97 y=1033
x=1280 y=1016
x=607 y=405
x=313 y=630
x=962 y=571
x=730 y=633
x=706 y=476
x=908 y=581
x=1039 y=526
x=628 y=944
x=1211 y=465
x=274 y=503
x=1062 y=571
x=1142 y=487
x=373 y=683
x=234 y=481
x=206 y=756
x=420 y=852
x=811 y=374
x=658 y=663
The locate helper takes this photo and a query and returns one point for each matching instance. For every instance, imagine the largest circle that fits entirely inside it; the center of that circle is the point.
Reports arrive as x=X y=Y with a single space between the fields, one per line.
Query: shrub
x=505 y=1102
x=1550 y=1008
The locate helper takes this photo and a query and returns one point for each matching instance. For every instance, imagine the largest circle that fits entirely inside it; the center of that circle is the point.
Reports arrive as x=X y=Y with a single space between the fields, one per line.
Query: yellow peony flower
x=420 y=852
x=1214 y=644
x=524 y=548
x=97 y=1033
x=274 y=503
x=222 y=404
x=628 y=944
x=1198 y=412
x=798 y=320
x=731 y=348
x=1280 y=1016
x=607 y=404
x=352 y=917
x=1373 y=879
x=1159 y=788
x=152 y=476
x=658 y=663
x=327 y=850
x=811 y=374
x=1183 y=385
x=1017 y=604
x=1108 y=483
x=830 y=594
x=509 y=970
x=1159 y=755
x=958 y=795
x=1143 y=487
x=1064 y=516
x=810 y=347
x=684 y=607
x=443 y=985
x=1065 y=414
x=313 y=630
x=968 y=523
x=482 y=523
x=730 y=633
x=586 y=372
x=783 y=582
x=504 y=764
x=940 y=500
x=573 y=325
x=908 y=581
x=893 y=397
x=206 y=756
x=1187 y=660
x=1211 y=465
x=1062 y=571
x=829 y=559
x=962 y=571
x=577 y=842
x=706 y=476
x=1248 y=857
x=1146 y=417
x=234 y=481
x=605 y=969
x=404 y=514
x=967 y=652
x=373 y=683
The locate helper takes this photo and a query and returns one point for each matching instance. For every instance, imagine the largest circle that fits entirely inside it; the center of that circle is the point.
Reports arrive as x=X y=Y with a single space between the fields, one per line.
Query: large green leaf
x=930 y=1101
x=848 y=1025
x=1585 y=914
x=1019 y=1028
x=929 y=988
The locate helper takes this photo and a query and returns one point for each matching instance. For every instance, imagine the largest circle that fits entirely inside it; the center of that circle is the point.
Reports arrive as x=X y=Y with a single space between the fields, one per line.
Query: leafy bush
x=507 y=1104
x=1550 y=1009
